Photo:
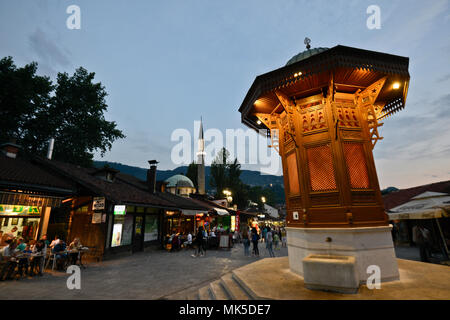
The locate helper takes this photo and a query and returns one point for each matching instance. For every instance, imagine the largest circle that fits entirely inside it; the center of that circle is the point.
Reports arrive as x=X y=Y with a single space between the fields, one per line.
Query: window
x=122 y=230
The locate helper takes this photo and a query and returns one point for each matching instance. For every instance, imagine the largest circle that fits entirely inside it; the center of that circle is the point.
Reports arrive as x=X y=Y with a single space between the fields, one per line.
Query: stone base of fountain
x=372 y=249
x=330 y=273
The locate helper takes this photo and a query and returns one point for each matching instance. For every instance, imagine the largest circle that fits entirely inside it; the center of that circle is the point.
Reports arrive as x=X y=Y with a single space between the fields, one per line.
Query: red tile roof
x=396 y=198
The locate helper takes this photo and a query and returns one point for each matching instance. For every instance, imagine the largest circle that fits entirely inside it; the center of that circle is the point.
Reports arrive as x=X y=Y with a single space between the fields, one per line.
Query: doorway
x=138 y=238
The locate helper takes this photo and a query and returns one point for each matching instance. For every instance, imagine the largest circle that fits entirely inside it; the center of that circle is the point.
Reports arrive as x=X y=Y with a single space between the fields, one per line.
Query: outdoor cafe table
x=68 y=252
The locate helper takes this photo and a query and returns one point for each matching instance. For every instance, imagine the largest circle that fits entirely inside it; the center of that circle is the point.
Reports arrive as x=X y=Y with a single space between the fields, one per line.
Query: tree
x=33 y=110
x=24 y=100
x=226 y=175
x=77 y=116
x=219 y=173
x=191 y=173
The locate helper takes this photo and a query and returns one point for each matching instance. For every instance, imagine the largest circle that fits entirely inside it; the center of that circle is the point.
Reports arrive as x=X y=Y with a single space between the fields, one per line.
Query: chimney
x=10 y=149
x=51 y=142
x=151 y=176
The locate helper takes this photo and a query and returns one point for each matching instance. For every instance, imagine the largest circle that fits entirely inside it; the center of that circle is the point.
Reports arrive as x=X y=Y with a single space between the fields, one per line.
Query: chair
x=50 y=256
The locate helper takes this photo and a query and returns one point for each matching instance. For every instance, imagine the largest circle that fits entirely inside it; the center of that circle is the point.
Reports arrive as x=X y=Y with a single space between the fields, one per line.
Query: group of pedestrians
x=270 y=237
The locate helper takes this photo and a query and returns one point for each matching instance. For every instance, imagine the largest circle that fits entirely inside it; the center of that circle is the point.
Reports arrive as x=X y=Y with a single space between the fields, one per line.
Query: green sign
x=120 y=210
x=19 y=210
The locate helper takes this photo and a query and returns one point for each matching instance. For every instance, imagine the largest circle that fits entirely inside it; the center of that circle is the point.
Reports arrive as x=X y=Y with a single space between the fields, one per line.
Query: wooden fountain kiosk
x=322 y=111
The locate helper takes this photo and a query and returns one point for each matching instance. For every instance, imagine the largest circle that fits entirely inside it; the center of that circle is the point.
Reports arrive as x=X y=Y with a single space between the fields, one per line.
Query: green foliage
x=225 y=175
x=219 y=172
x=33 y=110
x=24 y=101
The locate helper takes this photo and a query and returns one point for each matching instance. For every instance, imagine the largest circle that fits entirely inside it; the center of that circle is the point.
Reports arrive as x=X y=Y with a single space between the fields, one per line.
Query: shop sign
x=19 y=210
x=120 y=210
x=238 y=221
x=233 y=223
x=97 y=217
x=98 y=203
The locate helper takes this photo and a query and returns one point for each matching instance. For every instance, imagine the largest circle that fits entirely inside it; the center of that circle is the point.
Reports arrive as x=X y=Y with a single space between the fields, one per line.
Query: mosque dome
x=305 y=54
x=179 y=180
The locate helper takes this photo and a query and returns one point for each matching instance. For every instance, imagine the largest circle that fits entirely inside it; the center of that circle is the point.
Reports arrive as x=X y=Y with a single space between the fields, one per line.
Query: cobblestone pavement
x=148 y=275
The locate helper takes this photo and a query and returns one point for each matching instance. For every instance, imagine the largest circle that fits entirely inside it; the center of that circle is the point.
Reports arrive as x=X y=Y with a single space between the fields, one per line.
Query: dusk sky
x=166 y=63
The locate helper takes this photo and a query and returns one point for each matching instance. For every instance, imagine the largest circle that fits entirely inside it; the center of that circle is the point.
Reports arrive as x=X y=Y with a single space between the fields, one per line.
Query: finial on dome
x=307 y=42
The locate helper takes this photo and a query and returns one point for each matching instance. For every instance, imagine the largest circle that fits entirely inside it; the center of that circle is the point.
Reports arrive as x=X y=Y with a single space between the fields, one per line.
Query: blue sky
x=166 y=63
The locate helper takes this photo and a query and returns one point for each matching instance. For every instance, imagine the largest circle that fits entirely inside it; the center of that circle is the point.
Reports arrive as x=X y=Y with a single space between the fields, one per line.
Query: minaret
x=201 y=161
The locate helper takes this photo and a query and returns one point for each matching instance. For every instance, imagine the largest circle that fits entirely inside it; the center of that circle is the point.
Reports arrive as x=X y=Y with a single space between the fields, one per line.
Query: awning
x=188 y=212
x=24 y=199
x=222 y=212
x=428 y=214
x=428 y=205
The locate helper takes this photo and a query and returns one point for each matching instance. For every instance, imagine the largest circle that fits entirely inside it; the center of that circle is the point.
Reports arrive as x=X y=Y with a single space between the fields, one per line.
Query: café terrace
x=110 y=212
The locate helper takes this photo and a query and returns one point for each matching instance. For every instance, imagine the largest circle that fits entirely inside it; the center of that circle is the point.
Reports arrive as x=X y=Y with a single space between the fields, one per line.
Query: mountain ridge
x=250 y=177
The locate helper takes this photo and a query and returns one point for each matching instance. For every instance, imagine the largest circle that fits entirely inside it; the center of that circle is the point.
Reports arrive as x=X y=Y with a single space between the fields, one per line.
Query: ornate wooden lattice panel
x=321 y=169
x=356 y=165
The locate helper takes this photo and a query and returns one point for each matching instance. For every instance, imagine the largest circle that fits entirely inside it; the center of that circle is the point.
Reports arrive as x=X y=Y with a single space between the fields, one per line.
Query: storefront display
x=122 y=230
x=151 y=228
x=117 y=235
x=20 y=221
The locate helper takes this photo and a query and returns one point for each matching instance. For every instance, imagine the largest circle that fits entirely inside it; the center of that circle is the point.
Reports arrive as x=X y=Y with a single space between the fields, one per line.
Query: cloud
x=50 y=54
x=444 y=78
x=419 y=137
x=412 y=31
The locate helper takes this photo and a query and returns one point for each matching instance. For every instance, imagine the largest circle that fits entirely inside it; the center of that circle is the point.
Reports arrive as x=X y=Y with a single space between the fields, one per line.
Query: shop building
x=29 y=194
x=112 y=212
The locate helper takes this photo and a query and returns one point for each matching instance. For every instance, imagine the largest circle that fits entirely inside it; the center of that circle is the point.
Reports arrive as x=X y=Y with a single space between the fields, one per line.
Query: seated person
x=55 y=241
x=8 y=256
x=37 y=261
x=74 y=248
x=23 y=262
x=46 y=242
x=175 y=242
x=61 y=256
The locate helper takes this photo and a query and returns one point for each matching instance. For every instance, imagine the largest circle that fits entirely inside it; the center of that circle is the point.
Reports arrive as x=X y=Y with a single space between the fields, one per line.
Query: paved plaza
x=148 y=275
x=156 y=274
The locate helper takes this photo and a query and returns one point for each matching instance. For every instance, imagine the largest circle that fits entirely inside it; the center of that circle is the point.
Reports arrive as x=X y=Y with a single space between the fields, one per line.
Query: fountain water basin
x=330 y=273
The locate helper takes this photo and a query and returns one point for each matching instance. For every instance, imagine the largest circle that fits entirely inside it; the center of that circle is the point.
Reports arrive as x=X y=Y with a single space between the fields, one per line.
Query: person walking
x=269 y=242
x=276 y=241
x=422 y=237
x=199 y=243
x=255 y=240
x=246 y=242
x=264 y=233
x=283 y=238
x=204 y=241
